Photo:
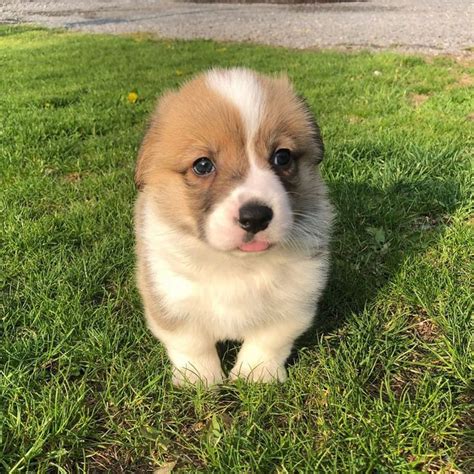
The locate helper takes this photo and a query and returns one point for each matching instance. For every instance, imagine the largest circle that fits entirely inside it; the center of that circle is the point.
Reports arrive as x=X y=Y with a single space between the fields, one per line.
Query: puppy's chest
x=210 y=290
x=230 y=300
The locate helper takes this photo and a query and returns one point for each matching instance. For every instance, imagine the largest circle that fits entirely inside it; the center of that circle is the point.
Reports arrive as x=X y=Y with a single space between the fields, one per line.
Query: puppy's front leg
x=264 y=352
x=193 y=355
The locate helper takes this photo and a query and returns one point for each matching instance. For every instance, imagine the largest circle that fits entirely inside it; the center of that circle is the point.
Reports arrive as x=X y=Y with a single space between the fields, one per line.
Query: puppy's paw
x=265 y=372
x=191 y=376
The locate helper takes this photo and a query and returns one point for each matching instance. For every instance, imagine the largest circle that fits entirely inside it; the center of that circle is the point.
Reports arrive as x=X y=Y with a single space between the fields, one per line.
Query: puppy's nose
x=254 y=217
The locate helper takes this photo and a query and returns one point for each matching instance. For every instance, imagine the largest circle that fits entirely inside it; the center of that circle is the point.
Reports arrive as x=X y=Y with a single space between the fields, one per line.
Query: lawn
x=382 y=381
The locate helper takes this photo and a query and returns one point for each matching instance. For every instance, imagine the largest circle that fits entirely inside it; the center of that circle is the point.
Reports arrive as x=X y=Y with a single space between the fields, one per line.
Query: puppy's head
x=231 y=159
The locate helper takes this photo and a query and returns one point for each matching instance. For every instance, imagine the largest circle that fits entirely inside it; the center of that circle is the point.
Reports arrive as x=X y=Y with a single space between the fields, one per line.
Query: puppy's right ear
x=317 y=137
x=149 y=143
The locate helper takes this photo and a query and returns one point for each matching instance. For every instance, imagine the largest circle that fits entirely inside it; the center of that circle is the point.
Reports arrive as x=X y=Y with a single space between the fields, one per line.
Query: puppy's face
x=230 y=158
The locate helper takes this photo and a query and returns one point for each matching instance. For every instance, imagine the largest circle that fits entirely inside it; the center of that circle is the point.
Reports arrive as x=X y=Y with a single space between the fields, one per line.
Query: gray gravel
x=426 y=26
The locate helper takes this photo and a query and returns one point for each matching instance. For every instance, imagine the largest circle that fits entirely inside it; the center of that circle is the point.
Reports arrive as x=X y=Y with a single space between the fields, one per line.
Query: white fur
x=262 y=185
x=266 y=300
x=242 y=88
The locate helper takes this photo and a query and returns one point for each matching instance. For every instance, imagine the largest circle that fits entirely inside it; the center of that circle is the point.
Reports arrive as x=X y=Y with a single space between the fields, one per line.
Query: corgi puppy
x=232 y=224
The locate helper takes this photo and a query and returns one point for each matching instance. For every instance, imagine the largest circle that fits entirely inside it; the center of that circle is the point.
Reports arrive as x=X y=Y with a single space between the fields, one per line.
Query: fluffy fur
x=198 y=287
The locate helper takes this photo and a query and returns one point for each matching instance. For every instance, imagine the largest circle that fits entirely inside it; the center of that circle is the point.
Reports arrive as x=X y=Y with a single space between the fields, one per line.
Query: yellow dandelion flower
x=132 y=97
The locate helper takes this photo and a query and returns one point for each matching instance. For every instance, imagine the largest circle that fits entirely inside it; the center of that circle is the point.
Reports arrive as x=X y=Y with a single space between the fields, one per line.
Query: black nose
x=254 y=217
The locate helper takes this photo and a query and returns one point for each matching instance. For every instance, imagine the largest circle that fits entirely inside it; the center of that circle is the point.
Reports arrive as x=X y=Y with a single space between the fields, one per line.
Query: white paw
x=265 y=372
x=190 y=375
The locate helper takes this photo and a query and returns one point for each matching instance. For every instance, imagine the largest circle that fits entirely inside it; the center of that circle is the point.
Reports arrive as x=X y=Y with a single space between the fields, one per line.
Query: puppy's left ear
x=316 y=131
x=144 y=156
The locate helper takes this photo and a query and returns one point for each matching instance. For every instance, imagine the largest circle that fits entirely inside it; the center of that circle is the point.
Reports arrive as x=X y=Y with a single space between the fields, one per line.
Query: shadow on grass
x=376 y=230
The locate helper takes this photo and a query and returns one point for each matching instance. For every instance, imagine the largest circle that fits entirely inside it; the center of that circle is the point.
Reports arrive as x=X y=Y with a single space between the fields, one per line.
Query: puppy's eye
x=281 y=158
x=203 y=166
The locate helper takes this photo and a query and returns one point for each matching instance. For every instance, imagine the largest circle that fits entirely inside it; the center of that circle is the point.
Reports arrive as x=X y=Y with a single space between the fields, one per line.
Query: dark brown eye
x=203 y=166
x=281 y=159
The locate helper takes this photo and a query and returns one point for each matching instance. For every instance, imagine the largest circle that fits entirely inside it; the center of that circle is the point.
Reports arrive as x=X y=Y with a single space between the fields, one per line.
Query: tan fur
x=286 y=125
x=187 y=125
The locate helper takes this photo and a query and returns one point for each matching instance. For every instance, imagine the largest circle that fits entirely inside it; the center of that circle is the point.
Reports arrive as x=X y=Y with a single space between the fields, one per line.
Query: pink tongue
x=254 y=246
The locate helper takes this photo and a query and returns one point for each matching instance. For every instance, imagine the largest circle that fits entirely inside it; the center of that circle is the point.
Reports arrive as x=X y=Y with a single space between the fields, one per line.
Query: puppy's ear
x=150 y=142
x=316 y=131
x=144 y=154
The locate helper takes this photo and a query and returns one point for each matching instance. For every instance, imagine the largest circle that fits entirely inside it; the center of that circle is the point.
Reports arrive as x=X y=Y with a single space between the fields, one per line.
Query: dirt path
x=427 y=26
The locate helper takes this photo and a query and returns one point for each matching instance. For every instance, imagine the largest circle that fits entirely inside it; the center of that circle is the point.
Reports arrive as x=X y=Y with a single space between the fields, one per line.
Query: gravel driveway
x=427 y=26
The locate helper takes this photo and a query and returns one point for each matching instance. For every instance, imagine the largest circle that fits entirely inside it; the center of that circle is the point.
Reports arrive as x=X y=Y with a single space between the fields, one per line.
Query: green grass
x=382 y=382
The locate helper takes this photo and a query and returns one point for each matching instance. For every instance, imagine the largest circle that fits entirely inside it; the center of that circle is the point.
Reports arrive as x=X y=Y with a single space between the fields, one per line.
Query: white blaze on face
x=242 y=88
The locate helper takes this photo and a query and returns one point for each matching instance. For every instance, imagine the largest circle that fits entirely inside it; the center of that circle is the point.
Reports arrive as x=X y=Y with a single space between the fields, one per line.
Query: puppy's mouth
x=255 y=246
x=251 y=244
